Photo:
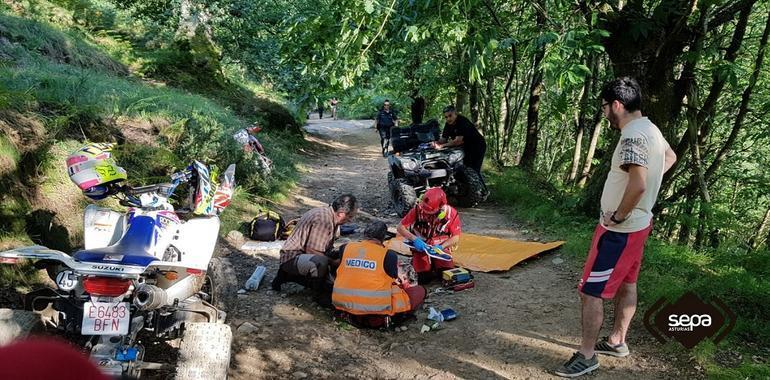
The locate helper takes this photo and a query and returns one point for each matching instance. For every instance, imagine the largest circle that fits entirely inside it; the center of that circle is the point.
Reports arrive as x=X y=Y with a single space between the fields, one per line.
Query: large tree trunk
x=703 y=117
x=533 y=112
x=652 y=56
x=737 y=123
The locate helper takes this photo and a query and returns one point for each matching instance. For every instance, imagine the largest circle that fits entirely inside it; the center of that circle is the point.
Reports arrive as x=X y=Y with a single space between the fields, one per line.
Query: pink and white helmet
x=92 y=166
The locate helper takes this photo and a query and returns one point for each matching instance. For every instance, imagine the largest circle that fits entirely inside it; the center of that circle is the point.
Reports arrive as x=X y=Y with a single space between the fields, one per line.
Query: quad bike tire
x=472 y=188
x=221 y=284
x=17 y=324
x=402 y=194
x=204 y=353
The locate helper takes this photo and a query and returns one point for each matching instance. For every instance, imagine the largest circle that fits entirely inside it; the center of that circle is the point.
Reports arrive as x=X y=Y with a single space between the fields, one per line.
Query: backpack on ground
x=290 y=226
x=267 y=226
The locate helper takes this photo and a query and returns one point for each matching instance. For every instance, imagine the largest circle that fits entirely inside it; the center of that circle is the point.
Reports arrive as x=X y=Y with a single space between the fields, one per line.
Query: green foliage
x=81 y=98
x=30 y=40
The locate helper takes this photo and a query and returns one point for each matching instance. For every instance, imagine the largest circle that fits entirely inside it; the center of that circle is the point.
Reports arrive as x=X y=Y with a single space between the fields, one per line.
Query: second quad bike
x=420 y=167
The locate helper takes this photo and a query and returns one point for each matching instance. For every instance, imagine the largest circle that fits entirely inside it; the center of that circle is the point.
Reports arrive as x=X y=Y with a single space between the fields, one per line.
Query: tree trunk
x=700 y=234
x=535 y=89
x=576 y=152
x=581 y=120
x=738 y=122
x=653 y=57
x=474 y=103
x=686 y=227
x=591 y=151
x=754 y=241
x=703 y=118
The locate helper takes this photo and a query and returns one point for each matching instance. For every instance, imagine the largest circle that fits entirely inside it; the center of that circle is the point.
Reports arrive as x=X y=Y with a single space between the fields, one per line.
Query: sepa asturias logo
x=689 y=320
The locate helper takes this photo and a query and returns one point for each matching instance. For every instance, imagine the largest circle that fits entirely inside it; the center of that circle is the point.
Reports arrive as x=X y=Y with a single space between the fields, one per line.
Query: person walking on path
x=639 y=161
x=320 y=110
x=386 y=119
x=333 y=103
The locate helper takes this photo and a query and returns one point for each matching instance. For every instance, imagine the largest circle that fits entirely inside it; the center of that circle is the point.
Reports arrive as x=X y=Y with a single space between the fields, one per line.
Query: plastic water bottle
x=434 y=315
x=441 y=316
x=253 y=282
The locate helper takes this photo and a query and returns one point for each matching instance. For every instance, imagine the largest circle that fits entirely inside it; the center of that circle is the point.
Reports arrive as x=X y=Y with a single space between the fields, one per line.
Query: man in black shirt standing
x=459 y=131
x=386 y=119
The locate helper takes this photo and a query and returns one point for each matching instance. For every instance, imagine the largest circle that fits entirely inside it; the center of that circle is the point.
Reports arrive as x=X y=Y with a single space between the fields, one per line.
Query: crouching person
x=432 y=222
x=303 y=256
x=369 y=287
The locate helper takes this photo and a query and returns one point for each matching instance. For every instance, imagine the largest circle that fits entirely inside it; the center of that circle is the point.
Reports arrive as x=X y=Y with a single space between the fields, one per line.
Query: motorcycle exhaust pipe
x=149 y=297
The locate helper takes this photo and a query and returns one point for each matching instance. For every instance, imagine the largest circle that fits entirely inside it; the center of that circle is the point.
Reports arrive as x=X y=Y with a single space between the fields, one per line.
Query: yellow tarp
x=487 y=254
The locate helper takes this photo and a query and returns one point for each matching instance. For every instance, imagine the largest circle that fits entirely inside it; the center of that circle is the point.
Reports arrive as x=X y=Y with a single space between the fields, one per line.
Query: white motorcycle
x=144 y=274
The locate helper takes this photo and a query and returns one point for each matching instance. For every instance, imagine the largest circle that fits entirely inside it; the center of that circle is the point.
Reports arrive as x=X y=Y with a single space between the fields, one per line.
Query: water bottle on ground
x=256 y=278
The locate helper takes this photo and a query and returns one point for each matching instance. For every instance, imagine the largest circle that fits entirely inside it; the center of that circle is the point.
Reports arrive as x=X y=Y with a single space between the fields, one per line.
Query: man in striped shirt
x=303 y=256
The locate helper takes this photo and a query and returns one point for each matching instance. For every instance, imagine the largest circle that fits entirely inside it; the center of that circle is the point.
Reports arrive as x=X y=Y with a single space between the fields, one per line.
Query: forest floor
x=518 y=324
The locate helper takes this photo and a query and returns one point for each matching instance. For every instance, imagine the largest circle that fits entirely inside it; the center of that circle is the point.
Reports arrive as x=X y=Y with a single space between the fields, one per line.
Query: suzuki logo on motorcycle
x=108 y=268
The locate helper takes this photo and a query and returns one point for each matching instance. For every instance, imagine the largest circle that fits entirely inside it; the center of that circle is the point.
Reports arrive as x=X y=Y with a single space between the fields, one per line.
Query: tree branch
x=728 y=12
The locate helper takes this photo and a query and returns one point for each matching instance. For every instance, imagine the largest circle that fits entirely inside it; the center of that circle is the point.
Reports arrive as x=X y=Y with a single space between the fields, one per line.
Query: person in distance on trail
x=459 y=131
x=369 y=285
x=303 y=256
x=639 y=161
x=385 y=120
x=320 y=109
x=333 y=104
x=431 y=222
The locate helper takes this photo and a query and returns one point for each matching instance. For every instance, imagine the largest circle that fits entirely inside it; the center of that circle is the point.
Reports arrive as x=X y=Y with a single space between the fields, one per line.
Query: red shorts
x=614 y=258
x=424 y=263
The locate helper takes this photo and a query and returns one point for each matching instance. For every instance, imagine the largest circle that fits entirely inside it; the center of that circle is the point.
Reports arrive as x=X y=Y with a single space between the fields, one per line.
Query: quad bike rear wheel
x=17 y=324
x=402 y=194
x=220 y=287
x=204 y=353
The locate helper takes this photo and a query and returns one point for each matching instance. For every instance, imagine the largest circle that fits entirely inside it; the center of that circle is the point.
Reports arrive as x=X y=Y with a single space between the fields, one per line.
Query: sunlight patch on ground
x=538 y=344
x=291 y=313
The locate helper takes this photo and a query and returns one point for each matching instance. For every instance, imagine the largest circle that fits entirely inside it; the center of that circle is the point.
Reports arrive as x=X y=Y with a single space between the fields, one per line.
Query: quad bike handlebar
x=164 y=189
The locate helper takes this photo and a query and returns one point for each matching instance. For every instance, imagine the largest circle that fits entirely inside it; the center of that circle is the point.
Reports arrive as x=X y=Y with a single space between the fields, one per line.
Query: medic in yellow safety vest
x=363 y=287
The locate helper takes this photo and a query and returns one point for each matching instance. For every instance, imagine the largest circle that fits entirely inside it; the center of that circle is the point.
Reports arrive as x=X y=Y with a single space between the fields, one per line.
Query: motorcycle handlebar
x=166 y=189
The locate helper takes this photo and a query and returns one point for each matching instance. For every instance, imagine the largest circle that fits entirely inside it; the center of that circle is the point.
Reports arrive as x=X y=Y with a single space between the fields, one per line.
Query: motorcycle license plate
x=105 y=318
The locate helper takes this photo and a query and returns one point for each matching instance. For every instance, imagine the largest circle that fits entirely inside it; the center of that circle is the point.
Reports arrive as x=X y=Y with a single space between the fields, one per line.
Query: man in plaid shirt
x=303 y=256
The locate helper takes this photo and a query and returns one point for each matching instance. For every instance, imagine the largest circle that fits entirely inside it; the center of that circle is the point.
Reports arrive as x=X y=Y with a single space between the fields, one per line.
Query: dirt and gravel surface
x=519 y=324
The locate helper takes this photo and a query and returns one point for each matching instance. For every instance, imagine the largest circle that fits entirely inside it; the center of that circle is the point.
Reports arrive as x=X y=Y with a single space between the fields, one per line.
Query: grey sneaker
x=578 y=365
x=604 y=347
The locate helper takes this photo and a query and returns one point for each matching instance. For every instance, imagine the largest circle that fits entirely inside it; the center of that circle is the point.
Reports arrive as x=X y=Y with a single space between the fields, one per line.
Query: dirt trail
x=518 y=324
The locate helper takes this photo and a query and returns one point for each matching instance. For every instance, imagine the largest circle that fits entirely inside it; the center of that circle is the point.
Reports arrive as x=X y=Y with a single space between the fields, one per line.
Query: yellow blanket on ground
x=485 y=253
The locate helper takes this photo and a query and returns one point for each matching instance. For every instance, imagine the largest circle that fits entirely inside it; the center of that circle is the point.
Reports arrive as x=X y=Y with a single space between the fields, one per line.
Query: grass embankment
x=83 y=72
x=739 y=278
